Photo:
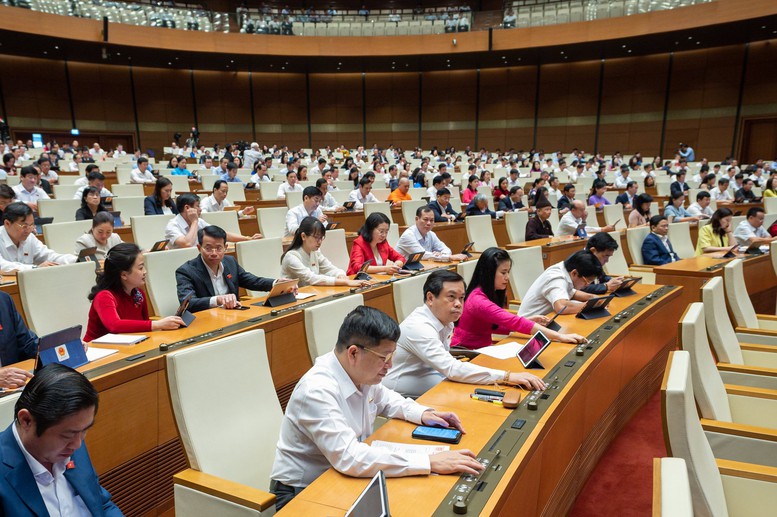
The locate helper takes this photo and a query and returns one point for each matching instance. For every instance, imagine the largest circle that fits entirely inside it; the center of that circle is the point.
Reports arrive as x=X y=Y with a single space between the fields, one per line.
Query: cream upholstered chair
x=62 y=210
x=466 y=269
x=393 y=235
x=130 y=206
x=409 y=209
x=770 y=205
x=515 y=223
x=718 y=486
x=208 y=180
x=66 y=191
x=135 y=190
x=180 y=184
x=269 y=189
x=383 y=208
x=55 y=298
x=293 y=199
x=272 y=221
x=61 y=237
x=740 y=305
x=671 y=489
x=527 y=267
x=634 y=239
x=480 y=231
x=7 y=405
x=262 y=257
x=148 y=229
x=335 y=248
x=554 y=218
x=230 y=465
x=408 y=295
x=613 y=214
x=226 y=220
x=160 y=278
x=617 y=265
x=680 y=236
x=381 y=194
x=323 y=322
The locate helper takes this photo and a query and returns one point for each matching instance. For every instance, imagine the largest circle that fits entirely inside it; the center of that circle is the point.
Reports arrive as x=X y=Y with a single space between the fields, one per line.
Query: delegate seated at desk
x=371 y=245
x=479 y=206
x=575 y=218
x=44 y=466
x=602 y=246
x=20 y=249
x=751 y=231
x=160 y=202
x=181 y=231
x=362 y=195
x=17 y=343
x=213 y=277
x=310 y=207
x=718 y=235
x=333 y=407
x=538 y=227
x=560 y=286
x=420 y=238
x=442 y=207
x=423 y=358
x=218 y=201
x=656 y=248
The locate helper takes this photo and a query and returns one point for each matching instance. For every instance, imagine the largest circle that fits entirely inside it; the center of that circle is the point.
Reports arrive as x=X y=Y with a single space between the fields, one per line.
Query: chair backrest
x=672 y=488
x=480 y=231
x=244 y=450
x=269 y=189
x=719 y=328
x=617 y=265
x=67 y=180
x=680 y=237
x=262 y=257
x=590 y=217
x=208 y=180
x=160 y=278
x=7 y=405
x=486 y=191
x=614 y=214
x=383 y=208
x=272 y=221
x=62 y=210
x=226 y=220
x=130 y=206
x=128 y=190
x=335 y=248
x=707 y=385
x=466 y=269
x=634 y=239
x=148 y=229
x=55 y=298
x=293 y=199
x=236 y=192
x=393 y=235
x=408 y=294
x=323 y=322
x=527 y=267
x=409 y=209
x=687 y=440
x=515 y=223
x=770 y=205
x=381 y=194
x=736 y=295
x=66 y=191
x=180 y=184
x=553 y=219
x=61 y=237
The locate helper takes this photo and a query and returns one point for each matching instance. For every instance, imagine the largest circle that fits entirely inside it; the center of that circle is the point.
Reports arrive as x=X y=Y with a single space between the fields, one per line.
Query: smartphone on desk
x=437 y=434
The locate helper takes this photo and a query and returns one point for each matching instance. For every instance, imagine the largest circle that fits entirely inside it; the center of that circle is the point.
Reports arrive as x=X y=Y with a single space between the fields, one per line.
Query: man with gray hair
x=251 y=156
x=574 y=223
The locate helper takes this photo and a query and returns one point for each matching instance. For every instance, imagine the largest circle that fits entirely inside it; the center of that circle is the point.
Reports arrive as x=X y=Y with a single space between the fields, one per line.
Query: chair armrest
x=745 y=431
x=767 y=321
x=763 y=332
x=747 y=470
x=228 y=490
x=747 y=369
x=643 y=268
x=513 y=302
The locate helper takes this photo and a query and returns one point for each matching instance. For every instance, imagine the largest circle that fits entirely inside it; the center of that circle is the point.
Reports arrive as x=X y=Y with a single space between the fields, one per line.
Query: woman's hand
x=539 y=319
x=168 y=323
x=527 y=380
x=572 y=338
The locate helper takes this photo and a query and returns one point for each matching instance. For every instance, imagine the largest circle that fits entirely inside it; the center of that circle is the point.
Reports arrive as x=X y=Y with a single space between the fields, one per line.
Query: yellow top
x=707 y=238
x=769 y=193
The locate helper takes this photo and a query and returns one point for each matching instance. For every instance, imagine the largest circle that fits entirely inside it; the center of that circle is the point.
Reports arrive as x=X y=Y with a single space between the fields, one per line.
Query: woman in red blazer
x=371 y=245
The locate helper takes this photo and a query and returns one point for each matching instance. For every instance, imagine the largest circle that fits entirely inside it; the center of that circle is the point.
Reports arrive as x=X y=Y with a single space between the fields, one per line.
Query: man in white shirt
x=721 y=194
x=222 y=168
x=623 y=180
x=94 y=179
x=311 y=199
x=423 y=356
x=251 y=156
x=575 y=219
x=95 y=152
x=319 y=168
x=328 y=201
x=560 y=286
x=141 y=174
x=362 y=194
x=20 y=249
x=514 y=180
x=420 y=237
x=28 y=191
x=702 y=205
x=181 y=231
x=46 y=172
x=751 y=231
x=218 y=201
x=290 y=185
x=333 y=407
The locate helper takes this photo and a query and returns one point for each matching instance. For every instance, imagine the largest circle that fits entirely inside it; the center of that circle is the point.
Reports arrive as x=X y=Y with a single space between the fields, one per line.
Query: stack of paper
x=506 y=351
x=120 y=339
x=410 y=448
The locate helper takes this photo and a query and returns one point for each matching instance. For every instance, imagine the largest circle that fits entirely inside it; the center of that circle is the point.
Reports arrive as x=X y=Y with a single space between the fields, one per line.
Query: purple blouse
x=596 y=200
x=478 y=319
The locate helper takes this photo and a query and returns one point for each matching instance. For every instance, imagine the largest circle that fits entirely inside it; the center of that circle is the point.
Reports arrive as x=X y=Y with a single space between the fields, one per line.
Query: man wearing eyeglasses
x=213 y=277
x=20 y=249
x=333 y=407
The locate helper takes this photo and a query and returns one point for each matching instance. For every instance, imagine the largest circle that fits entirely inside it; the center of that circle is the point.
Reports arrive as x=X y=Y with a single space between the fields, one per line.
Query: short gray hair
x=479 y=197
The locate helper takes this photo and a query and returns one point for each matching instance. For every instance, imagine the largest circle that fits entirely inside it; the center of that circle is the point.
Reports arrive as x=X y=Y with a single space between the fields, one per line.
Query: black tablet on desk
x=596 y=308
x=183 y=310
x=349 y=205
x=625 y=289
x=362 y=273
x=414 y=261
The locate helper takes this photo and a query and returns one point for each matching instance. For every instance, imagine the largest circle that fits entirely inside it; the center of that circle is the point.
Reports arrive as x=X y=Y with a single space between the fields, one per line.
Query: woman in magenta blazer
x=371 y=245
x=484 y=314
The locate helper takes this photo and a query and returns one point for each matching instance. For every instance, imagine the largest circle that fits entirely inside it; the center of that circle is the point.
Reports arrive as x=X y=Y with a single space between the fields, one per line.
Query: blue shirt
x=677 y=213
x=17 y=342
x=225 y=177
x=181 y=172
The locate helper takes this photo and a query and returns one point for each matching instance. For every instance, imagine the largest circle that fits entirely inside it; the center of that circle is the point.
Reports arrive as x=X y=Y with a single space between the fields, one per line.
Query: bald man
x=401 y=193
x=575 y=220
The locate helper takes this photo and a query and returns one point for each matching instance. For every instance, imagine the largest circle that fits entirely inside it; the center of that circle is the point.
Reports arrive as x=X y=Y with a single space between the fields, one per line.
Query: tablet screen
x=533 y=348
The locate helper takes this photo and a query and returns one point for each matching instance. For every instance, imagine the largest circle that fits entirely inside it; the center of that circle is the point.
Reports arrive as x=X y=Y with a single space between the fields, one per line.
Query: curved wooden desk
x=566 y=441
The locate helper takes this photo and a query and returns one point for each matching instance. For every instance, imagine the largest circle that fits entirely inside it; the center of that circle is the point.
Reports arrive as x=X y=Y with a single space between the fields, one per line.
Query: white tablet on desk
x=373 y=501
x=531 y=351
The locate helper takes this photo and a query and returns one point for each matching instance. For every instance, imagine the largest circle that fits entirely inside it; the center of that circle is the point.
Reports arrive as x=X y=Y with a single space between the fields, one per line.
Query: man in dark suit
x=679 y=185
x=512 y=203
x=656 y=248
x=213 y=277
x=627 y=198
x=564 y=204
x=442 y=207
x=44 y=466
x=17 y=343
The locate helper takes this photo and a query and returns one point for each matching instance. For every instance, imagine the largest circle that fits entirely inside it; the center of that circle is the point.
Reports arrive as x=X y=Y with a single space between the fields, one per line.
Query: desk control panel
x=470 y=494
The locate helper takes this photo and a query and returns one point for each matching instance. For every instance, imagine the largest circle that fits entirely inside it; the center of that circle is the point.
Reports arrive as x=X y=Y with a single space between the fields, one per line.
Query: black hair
x=102 y=218
x=43 y=160
x=319 y=182
x=90 y=168
x=27 y=170
x=161 y=183
x=702 y=194
x=374 y=220
x=365 y=181
x=311 y=192
x=585 y=263
x=719 y=214
x=437 y=180
x=213 y=231
x=186 y=199
x=95 y=175
x=601 y=241
x=631 y=184
x=655 y=220
x=366 y=326
x=217 y=184
x=485 y=272
x=436 y=279
x=514 y=189
x=422 y=209
x=443 y=192
x=55 y=393
x=754 y=211
x=91 y=190
x=142 y=159
x=16 y=211
x=119 y=259
x=8 y=157
x=724 y=181
x=310 y=226
x=6 y=192
x=568 y=187
x=640 y=200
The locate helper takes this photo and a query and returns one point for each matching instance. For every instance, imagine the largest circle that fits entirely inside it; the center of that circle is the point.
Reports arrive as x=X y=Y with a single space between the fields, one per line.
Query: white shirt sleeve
x=354 y=196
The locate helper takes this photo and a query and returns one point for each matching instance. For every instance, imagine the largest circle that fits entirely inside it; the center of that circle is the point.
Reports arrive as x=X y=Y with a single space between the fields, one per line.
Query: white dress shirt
x=552 y=285
x=356 y=195
x=696 y=209
x=60 y=498
x=29 y=254
x=209 y=204
x=295 y=216
x=423 y=358
x=717 y=195
x=329 y=202
x=309 y=268
x=745 y=231
x=25 y=196
x=621 y=182
x=178 y=227
x=569 y=224
x=220 y=286
x=412 y=241
x=284 y=187
x=326 y=422
x=141 y=177
x=81 y=182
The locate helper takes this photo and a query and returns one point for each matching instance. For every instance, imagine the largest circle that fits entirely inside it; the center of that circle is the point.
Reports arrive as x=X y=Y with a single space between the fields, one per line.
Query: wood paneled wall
x=646 y=103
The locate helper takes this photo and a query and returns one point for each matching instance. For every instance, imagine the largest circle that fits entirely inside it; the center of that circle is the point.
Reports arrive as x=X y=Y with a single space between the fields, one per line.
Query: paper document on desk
x=506 y=351
x=120 y=339
x=410 y=448
x=303 y=296
x=93 y=354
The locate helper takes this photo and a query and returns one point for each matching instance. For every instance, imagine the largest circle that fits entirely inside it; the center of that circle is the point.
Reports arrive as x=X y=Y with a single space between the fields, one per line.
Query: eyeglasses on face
x=386 y=358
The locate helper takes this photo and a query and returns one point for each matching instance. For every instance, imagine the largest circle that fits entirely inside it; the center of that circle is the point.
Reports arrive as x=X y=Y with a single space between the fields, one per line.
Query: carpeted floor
x=622 y=483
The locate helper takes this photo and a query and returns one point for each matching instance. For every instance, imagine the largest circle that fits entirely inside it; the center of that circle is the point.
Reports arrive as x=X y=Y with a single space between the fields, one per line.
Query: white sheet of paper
x=94 y=353
x=506 y=351
x=302 y=296
x=410 y=448
x=120 y=339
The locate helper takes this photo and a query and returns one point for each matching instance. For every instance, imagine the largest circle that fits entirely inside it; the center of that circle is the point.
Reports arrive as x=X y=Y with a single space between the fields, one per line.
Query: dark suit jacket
x=600 y=286
x=535 y=229
x=193 y=276
x=19 y=494
x=564 y=202
x=654 y=252
x=676 y=186
x=507 y=204
x=472 y=209
x=437 y=209
x=17 y=342
x=150 y=207
x=623 y=199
